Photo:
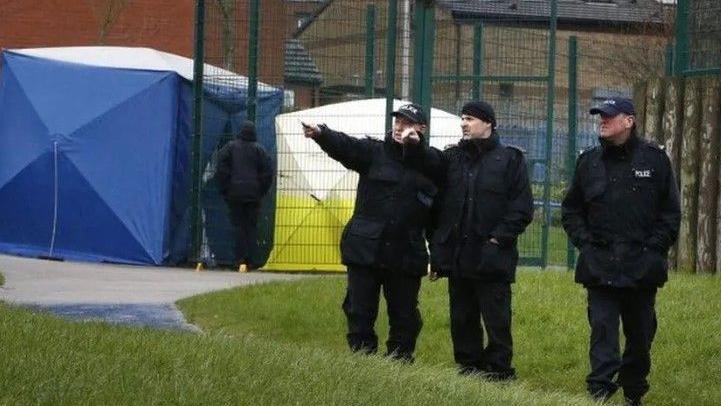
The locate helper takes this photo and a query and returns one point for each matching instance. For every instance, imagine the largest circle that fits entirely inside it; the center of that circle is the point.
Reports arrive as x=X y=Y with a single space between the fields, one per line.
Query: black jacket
x=485 y=193
x=622 y=211
x=391 y=207
x=244 y=171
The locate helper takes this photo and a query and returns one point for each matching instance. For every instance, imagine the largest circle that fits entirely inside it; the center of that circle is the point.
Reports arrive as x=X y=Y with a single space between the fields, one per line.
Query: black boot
x=634 y=401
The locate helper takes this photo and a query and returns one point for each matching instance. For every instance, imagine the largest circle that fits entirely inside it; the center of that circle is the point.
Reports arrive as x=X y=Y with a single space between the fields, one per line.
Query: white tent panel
x=138 y=58
x=361 y=118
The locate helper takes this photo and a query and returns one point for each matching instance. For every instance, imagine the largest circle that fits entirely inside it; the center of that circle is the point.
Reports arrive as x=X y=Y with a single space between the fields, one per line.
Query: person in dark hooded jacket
x=244 y=173
x=383 y=244
x=485 y=205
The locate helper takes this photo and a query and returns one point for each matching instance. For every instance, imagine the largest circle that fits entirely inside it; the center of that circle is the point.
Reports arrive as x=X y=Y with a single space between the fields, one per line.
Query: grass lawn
x=550 y=330
x=45 y=360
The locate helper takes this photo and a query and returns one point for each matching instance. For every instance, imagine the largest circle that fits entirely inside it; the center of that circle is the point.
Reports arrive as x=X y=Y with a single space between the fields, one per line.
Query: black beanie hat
x=247 y=131
x=480 y=110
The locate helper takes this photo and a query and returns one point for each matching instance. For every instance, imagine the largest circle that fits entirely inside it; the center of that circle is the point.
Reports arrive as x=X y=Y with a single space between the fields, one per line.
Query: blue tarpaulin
x=95 y=160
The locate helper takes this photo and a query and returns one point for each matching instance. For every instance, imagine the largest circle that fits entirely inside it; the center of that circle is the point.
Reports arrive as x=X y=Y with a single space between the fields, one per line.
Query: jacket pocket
x=655 y=267
x=361 y=241
x=598 y=262
x=495 y=261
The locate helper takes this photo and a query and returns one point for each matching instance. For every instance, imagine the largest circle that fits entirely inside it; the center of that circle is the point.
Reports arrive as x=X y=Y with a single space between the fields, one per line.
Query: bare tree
x=642 y=52
x=107 y=12
x=228 y=40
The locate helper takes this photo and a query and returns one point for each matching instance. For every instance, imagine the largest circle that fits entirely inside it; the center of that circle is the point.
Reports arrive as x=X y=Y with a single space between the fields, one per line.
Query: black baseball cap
x=412 y=112
x=614 y=106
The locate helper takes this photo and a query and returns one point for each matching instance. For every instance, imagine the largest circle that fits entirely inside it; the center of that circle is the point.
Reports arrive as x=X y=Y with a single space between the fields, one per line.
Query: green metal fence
x=511 y=64
x=698 y=37
x=234 y=50
x=541 y=80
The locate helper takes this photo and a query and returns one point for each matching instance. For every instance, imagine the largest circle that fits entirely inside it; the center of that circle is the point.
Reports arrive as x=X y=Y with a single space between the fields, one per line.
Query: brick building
x=166 y=25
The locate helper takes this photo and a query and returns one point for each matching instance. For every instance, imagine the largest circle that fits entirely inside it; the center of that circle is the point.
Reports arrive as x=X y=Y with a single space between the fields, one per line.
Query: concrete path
x=134 y=295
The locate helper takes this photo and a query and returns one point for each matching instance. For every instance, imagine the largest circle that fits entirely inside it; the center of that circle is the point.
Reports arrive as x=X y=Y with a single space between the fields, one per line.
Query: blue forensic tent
x=95 y=151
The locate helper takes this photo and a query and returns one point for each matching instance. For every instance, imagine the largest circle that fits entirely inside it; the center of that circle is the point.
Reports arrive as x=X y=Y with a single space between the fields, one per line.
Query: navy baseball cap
x=412 y=112
x=614 y=106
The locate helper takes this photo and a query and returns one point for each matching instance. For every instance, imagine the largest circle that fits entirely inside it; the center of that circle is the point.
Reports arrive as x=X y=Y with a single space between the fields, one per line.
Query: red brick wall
x=272 y=39
x=166 y=25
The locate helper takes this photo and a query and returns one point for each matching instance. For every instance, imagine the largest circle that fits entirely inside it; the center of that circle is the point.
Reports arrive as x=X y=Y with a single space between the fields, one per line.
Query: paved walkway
x=116 y=293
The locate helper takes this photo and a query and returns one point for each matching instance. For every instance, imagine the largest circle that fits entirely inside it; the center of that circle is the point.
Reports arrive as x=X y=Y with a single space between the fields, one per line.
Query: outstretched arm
x=353 y=153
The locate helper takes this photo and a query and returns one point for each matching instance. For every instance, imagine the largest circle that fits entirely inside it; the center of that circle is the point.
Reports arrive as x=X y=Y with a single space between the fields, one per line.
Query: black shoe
x=601 y=396
x=636 y=401
x=401 y=357
x=507 y=376
x=470 y=370
x=364 y=348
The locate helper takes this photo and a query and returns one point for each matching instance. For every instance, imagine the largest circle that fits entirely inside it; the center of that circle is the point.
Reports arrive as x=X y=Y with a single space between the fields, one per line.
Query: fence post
x=550 y=100
x=572 y=129
x=681 y=47
x=391 y=59
x=424 y=27
x=370 y=49
x=477 y=60
x=669 y=60
x=196 y=155
x=253 y=58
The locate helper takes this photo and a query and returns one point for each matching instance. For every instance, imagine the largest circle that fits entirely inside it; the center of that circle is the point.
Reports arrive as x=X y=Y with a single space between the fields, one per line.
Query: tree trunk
x=654 y=108
x=639 y=101
x=708 y=177
x=689 y=177
x=672 y=127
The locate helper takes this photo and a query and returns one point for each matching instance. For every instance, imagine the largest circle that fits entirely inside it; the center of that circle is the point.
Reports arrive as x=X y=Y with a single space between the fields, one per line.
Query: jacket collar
x=625 y=149
x=477 y=146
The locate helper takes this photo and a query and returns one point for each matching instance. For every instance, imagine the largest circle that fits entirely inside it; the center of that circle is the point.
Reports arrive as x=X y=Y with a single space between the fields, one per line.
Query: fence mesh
x=703 y=35
x=333 y=70
x=226 y=106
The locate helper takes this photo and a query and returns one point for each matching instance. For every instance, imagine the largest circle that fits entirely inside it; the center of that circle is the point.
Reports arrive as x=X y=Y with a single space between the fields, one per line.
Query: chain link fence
x=343 y=64
x=698 y=37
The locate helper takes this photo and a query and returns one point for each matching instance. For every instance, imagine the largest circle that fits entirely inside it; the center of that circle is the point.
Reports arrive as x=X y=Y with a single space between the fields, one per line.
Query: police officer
x=622 y=212
x=383 y=244
x=244 y=174
x=485 y=205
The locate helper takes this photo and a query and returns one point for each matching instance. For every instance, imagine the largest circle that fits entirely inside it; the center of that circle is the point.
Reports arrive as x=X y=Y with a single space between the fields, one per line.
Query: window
x=288 y=99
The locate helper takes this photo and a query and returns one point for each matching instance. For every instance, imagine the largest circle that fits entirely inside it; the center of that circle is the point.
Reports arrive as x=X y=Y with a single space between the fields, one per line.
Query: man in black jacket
x=486 y=204
x=244 y=173
x=383 y=244
x=622 y=211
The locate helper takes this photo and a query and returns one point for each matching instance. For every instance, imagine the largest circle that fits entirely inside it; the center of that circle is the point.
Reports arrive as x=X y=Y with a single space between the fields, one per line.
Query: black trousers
x=361 y=309
x=244 y=217
x=635 y=308
x=473 y=302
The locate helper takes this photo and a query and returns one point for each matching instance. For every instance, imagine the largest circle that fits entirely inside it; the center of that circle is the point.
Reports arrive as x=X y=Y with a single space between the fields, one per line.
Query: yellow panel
x=307 y=233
